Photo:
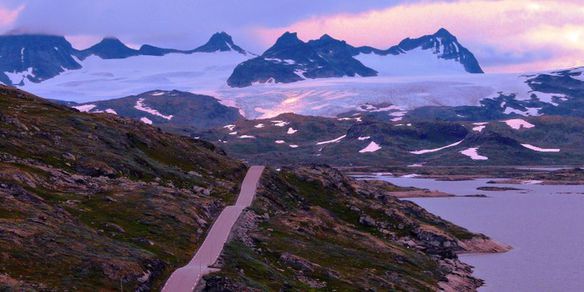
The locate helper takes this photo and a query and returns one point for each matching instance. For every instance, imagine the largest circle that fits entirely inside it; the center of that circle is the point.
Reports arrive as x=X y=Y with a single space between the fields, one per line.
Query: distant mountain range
x=40 y=57
x=36 y=58
x=291 y=59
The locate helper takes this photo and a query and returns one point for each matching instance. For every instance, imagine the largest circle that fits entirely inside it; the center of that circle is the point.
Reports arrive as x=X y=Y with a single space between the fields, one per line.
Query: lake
x=543 y=223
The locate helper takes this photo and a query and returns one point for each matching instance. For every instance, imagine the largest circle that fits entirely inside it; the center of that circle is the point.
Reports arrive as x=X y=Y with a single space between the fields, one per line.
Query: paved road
x=186 y=278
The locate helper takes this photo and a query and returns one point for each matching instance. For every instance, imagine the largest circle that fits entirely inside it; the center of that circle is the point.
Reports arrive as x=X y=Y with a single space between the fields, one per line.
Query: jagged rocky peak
x=326 y=38
x=38 y=56
x=110 y=48
x=288 y=39
x=290 y=60
x=220 y=42
x=444 y=45
x=442 y=32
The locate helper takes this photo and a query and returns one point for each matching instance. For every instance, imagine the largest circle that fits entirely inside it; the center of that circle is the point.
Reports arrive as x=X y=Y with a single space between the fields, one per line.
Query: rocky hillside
x=386 y=136
x=34 y=57
x=313 y=228
x=169 y=109
x=99 y=202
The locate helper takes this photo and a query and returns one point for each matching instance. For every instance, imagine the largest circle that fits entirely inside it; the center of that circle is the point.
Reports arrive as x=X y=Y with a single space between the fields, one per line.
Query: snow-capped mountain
x=290 y=59
x=28 y=59
x=35 y=58
x=110 y=48
x=220 y=42
x=438 y=53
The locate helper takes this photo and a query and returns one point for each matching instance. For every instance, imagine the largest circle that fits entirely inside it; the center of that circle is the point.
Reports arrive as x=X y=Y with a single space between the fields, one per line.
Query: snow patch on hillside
x=418 y=152
x=146 y=120
x=84 y=108
x=336 y=140
x=518 y=124
x=279 y=123
x=473 y=154
x=142 y=107
x=372 y=147
x=535 y=148
x=478 y=127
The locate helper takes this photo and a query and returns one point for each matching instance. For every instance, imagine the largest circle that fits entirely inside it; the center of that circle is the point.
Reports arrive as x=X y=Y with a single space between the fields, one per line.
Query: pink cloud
x=8 y=16
x=514 y=27
x=81 y=42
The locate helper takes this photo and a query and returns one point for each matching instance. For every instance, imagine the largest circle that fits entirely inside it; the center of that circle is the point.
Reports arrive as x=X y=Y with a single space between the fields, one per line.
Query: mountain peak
x=110 y=48
x=326 y=37
x=223 y=36
x=46 y=55
x=288 y=39
x=220 y=41
x=442 y=32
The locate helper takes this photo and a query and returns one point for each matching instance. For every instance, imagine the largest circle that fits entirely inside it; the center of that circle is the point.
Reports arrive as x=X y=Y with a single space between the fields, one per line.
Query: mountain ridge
x=38 y=57
x=290 y=59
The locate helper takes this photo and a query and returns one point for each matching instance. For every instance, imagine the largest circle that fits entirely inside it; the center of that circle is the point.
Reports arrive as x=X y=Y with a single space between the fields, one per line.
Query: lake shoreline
x=534 y=223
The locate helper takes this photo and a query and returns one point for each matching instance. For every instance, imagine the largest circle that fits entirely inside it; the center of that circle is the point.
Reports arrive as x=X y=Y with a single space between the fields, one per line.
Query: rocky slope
x=313 y=228
x=174 y=110
x=372 y=139
x=34 y=57
x=96 y=202
x=99 y=202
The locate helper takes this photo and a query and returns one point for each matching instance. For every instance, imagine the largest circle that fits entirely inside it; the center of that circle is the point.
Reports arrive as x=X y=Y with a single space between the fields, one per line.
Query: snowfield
x=407 y=81
x=418 y=152
x=146 y=120
x=473 y=154
x=478 y=127
x=535 y=148
x=518 y=124
x=372 y=147
x=101 y=79
x=280 y=123
x=142 y=107
x=336 y=140
x=85 y=108
x=414 y=62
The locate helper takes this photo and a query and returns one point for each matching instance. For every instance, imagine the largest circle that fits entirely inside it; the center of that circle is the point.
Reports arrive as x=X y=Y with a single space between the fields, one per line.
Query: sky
x=505 y=35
